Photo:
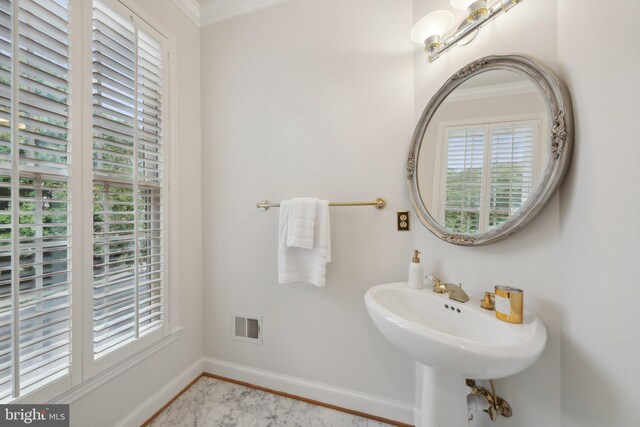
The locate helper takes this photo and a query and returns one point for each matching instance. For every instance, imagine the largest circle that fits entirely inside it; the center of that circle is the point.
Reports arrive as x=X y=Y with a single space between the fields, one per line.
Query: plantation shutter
x=512 y=169
x=128 y=258
x=35 y=243
x=463 y=180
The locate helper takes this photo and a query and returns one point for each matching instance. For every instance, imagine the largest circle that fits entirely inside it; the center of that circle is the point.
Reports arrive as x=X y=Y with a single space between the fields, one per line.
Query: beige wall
x=599 y=224
x=308 y=98
x=530 y=259
x=112 y=401
x=320 y=98
x=576 y=260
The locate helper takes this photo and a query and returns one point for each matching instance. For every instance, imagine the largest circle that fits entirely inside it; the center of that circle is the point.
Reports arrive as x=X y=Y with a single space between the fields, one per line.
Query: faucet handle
x=487 y=302
x=438 y=287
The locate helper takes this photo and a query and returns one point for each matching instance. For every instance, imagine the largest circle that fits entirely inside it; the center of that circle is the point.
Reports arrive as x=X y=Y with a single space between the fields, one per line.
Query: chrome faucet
x=455 y=292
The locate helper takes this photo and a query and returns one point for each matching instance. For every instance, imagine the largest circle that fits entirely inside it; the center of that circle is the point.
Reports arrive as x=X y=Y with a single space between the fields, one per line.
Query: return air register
x=247 y=327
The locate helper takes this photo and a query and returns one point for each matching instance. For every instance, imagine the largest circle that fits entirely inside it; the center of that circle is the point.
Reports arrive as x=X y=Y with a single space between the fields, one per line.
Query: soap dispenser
x=416 y=272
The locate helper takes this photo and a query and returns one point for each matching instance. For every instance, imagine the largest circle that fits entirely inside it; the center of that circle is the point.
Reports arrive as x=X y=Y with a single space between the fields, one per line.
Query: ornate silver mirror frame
x=561 y=144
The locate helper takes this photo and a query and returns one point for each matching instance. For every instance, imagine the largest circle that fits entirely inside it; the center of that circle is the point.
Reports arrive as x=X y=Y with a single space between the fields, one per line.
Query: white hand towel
x=301 y=222
x=297 y=264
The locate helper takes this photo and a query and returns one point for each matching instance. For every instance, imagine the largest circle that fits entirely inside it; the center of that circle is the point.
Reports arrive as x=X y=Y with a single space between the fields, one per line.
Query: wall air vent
x=247 y=327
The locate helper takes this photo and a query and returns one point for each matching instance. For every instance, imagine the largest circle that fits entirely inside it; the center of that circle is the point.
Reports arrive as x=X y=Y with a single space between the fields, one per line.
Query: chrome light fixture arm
x=478 y=15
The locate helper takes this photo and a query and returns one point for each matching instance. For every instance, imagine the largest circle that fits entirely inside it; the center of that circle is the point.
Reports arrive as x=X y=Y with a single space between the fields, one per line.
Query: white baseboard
x=325 y=393
x=345 y=398
x=149 y=407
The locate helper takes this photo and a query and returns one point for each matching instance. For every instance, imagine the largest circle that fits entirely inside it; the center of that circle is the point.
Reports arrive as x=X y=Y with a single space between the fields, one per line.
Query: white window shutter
x=463 y=182
x=128 y=180
x=512 y=169
x=490 y=173
x=35 y=243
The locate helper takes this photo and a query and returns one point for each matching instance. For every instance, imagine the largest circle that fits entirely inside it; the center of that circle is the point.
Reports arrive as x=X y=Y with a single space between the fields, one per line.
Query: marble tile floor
x=210 y=402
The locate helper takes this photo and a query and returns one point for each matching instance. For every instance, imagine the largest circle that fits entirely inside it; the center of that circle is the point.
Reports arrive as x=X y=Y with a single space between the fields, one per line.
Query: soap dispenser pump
x=416 y=272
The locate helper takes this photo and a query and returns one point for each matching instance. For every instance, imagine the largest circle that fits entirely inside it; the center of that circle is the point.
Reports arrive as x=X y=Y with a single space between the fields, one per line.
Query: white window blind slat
x=110 y=130
x=119 y=114
x=37 y=86
x=5 y=18
x=113 y=69
x=112 y=100
x=58 y=85
x=107 y=77
x=56 y=17
x=51 y=69
x=111 y=37
x=54 y=8
x=112 y=19
x=113 y=65
x=51 y=45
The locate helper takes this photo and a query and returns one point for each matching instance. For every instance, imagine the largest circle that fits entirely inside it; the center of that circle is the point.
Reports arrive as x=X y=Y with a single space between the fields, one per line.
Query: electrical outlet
x=403 y=221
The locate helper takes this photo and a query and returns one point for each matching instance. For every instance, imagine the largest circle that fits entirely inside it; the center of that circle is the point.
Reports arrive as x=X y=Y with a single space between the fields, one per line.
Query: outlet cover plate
x=403 y=221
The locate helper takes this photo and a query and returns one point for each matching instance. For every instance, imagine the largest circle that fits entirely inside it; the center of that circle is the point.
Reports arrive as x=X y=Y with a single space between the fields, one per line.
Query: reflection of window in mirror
x=488 y=169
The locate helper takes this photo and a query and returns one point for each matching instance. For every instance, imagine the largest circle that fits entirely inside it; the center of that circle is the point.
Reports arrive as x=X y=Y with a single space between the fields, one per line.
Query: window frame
x=487 y=123
x=85 y=373
x=90 y=366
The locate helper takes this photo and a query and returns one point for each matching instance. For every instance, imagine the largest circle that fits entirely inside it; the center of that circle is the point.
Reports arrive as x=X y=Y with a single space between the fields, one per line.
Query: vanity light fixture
x=430 y=29
x=435 y=31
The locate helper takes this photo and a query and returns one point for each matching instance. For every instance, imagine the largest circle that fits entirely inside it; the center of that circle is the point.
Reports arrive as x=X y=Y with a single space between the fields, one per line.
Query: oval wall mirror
x=490 y=149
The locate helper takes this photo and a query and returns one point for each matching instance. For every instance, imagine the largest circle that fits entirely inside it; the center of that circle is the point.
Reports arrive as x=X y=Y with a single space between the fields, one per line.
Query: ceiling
x=205 y=12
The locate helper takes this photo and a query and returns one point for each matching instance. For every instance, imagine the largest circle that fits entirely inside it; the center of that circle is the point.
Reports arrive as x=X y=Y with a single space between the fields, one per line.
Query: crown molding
x=191 y=8
x=504 y=89
x=221 y=10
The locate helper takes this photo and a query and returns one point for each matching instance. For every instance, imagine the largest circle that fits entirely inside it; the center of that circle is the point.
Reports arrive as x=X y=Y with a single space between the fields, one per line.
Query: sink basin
x=461 y=338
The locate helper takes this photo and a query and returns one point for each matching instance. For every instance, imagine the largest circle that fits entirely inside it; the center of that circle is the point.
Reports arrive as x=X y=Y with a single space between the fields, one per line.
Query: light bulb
x=433 y=24
x=462 y=5
x=477 y=11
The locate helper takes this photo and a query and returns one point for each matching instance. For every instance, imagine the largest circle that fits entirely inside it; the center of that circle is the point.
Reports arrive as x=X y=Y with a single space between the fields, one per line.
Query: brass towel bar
x=379 y=203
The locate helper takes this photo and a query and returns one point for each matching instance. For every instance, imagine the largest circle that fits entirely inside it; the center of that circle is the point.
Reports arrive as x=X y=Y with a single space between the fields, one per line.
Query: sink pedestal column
x=441 y=398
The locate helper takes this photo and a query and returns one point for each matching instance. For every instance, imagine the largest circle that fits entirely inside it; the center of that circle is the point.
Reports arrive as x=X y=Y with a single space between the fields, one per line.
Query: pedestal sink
x=453 y=341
